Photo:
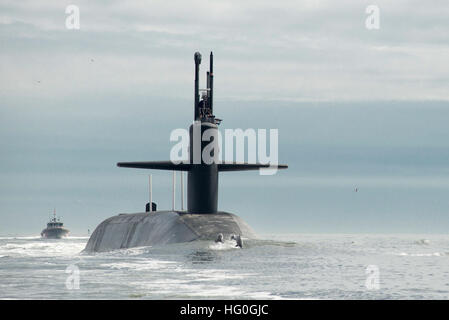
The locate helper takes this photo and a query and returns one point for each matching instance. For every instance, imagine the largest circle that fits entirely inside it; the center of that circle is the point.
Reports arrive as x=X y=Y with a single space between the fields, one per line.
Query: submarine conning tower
x=202 y=184
x=202 y=221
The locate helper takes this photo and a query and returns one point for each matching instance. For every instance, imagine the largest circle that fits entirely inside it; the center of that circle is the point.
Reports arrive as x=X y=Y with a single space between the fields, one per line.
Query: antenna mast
x=174 y=190
x=211 y=83
x=150 y=209
x=182 y=191
x=197 y=58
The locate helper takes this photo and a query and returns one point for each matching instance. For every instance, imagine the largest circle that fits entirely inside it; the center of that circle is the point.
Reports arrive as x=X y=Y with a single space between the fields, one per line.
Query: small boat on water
x=55 y=229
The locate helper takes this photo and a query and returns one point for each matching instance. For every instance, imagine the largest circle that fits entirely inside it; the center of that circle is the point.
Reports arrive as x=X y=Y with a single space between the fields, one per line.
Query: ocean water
x=288 y=266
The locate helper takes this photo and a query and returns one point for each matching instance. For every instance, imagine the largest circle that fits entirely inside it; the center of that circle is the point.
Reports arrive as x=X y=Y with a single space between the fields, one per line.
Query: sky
x=355 y=108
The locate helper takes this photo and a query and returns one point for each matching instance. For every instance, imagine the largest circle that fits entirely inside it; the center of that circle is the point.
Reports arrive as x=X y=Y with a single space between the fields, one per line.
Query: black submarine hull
x=164 y=227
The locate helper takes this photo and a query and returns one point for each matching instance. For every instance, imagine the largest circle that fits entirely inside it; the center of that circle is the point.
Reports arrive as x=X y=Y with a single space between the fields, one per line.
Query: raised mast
x=197 y=58
x=211 y=83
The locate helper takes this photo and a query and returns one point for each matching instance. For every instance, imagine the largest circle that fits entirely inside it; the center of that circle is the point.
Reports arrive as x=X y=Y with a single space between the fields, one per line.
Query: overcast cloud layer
x=289 y=50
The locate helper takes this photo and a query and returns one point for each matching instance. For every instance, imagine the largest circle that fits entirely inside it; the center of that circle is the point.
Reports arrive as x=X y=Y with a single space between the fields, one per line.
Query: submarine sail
x=202 y=220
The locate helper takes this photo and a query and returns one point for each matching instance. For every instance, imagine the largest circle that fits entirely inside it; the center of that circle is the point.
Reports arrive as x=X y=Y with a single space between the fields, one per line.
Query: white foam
x=42 y=248
x=433 y=254
x=318 y=267
x=226 y=245
x=139 y=266
x=423 y=242
x=20 y=238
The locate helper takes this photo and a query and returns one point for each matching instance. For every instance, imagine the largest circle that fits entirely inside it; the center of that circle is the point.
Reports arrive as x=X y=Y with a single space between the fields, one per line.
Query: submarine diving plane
x=202 y=220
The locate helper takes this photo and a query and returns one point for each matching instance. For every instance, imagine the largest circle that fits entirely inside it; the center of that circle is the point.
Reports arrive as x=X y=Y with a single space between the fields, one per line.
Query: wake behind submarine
x=202 y=220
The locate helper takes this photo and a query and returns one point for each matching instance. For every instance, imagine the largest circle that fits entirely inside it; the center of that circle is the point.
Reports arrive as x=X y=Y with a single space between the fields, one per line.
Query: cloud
x=297 y=50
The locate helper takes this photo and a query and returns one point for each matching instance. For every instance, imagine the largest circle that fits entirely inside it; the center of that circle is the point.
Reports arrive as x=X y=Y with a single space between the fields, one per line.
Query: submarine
x=201 y=220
